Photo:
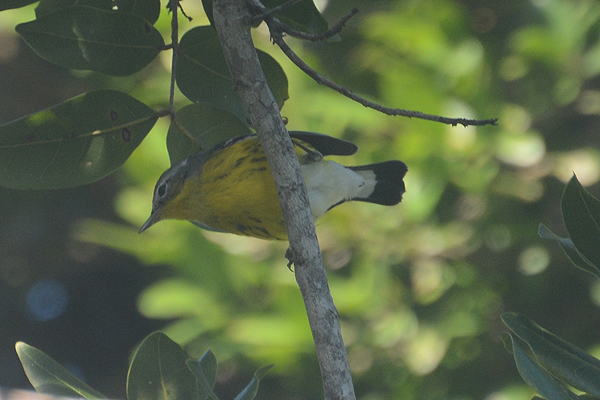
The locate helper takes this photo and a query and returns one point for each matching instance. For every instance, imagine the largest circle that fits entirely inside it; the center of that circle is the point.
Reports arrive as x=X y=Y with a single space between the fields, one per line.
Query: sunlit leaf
x=73 y=143
x=548 y=387
x=205 y=371
x=249 y=392
x=89 y=38
x=581 y=214
x=47 y=376
x=203 y=74
x=569 y=248
x=147 y=9
x=557 y=356
x=159 y=371
x=200 y=126
x=8 y=4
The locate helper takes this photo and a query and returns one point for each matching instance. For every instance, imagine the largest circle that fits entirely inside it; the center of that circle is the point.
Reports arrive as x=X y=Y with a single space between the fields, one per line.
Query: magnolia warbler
x=229 y=188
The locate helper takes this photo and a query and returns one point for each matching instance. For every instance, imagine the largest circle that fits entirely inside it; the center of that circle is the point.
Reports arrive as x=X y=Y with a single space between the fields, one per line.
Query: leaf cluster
x=160 y=370
x=89 y=136
x=546 y=362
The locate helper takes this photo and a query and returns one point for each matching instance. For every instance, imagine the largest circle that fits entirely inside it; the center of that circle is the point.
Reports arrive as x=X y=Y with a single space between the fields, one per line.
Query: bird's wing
x=326 y=145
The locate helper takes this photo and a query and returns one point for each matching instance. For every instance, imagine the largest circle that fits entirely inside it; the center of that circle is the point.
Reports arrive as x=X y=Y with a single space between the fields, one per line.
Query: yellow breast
x=234 y=192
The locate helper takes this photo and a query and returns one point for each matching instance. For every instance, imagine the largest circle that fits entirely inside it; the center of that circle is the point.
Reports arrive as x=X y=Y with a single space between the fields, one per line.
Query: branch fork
x=278 y=29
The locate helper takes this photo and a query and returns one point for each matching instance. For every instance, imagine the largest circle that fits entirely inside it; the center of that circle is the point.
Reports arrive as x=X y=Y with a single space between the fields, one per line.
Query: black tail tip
x=390 y=185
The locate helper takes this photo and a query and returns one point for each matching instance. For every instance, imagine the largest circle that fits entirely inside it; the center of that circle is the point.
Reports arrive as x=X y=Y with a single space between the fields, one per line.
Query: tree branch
x=277 y=29
x=232 y=21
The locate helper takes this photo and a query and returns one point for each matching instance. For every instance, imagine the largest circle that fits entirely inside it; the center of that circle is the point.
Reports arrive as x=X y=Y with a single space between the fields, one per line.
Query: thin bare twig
x=190 y=19
x=317 y=37
x=277 y=29
x=264 y=14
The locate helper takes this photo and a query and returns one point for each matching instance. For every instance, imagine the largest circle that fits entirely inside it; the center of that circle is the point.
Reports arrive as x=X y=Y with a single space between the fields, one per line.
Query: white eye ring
x=161 y=190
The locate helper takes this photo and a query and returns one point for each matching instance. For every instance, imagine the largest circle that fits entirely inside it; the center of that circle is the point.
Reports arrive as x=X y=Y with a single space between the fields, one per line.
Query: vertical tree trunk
x=232 y=20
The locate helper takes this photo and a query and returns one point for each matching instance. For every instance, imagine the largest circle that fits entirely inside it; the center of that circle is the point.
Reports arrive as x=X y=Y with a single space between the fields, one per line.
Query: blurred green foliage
x=420 y=286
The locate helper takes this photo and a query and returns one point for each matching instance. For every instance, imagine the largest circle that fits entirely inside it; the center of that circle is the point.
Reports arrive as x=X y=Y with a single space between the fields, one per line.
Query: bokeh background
x=420 y=286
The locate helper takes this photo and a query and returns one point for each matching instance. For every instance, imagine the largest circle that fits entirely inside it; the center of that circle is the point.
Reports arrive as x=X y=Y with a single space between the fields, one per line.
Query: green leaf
x=73 y=143
x=89 y=38
x=208 y=10
x=302 y=16
x=205 y=126
x=47 y=376
x=276 y=78
x=205 y=371
x=159 y=371
x=557 y=356
x=208 y=363
x=581 y=214
x=9 y=4
x=548 y=387
x=203 y=74
x=249 y=392
x=46 y=7
x=147 y=9
x=569 y=248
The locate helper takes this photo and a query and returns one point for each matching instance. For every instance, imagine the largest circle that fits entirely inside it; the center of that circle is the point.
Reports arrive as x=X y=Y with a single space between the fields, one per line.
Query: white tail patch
x=329 y=183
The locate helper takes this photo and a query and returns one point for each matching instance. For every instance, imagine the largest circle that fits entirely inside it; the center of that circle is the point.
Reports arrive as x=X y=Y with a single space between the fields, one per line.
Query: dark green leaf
x=507 y=342
x=147 y=9
x=9 y=4
x=557 y=356
x=302 y=16
x=89 y=38
x=208 y=10
x=73 y=143
x=203 y=74
x=159 y=371
x=275 y=76
x=569 y=248
x=208 y=363
x=205 y=126
x=49 y=6
x=47 y=376
x=205 y=371
x=249 y=392
x=581 y=214
x=548 y=387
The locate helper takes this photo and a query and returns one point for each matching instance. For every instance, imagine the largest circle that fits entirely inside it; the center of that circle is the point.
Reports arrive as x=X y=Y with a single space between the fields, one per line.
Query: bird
x=230 y=188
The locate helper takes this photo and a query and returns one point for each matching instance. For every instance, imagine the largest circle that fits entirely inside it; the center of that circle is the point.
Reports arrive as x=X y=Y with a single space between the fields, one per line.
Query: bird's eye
x=162 y=189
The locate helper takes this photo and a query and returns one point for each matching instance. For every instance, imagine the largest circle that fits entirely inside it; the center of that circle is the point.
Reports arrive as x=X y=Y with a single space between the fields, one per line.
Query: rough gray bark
x=232 y=20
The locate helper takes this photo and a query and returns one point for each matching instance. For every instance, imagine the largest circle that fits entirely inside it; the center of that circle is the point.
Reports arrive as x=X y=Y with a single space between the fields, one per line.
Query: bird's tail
x=384 y=182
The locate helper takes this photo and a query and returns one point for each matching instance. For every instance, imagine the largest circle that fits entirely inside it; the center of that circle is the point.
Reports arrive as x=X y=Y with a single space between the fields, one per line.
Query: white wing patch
x=329 y=183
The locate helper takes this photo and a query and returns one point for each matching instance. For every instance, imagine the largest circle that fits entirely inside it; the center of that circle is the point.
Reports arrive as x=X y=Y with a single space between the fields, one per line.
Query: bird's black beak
x=154 y=218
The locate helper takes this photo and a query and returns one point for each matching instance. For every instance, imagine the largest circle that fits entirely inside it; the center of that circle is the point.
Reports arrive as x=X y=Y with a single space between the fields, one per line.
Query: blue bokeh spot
x=47 y=299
